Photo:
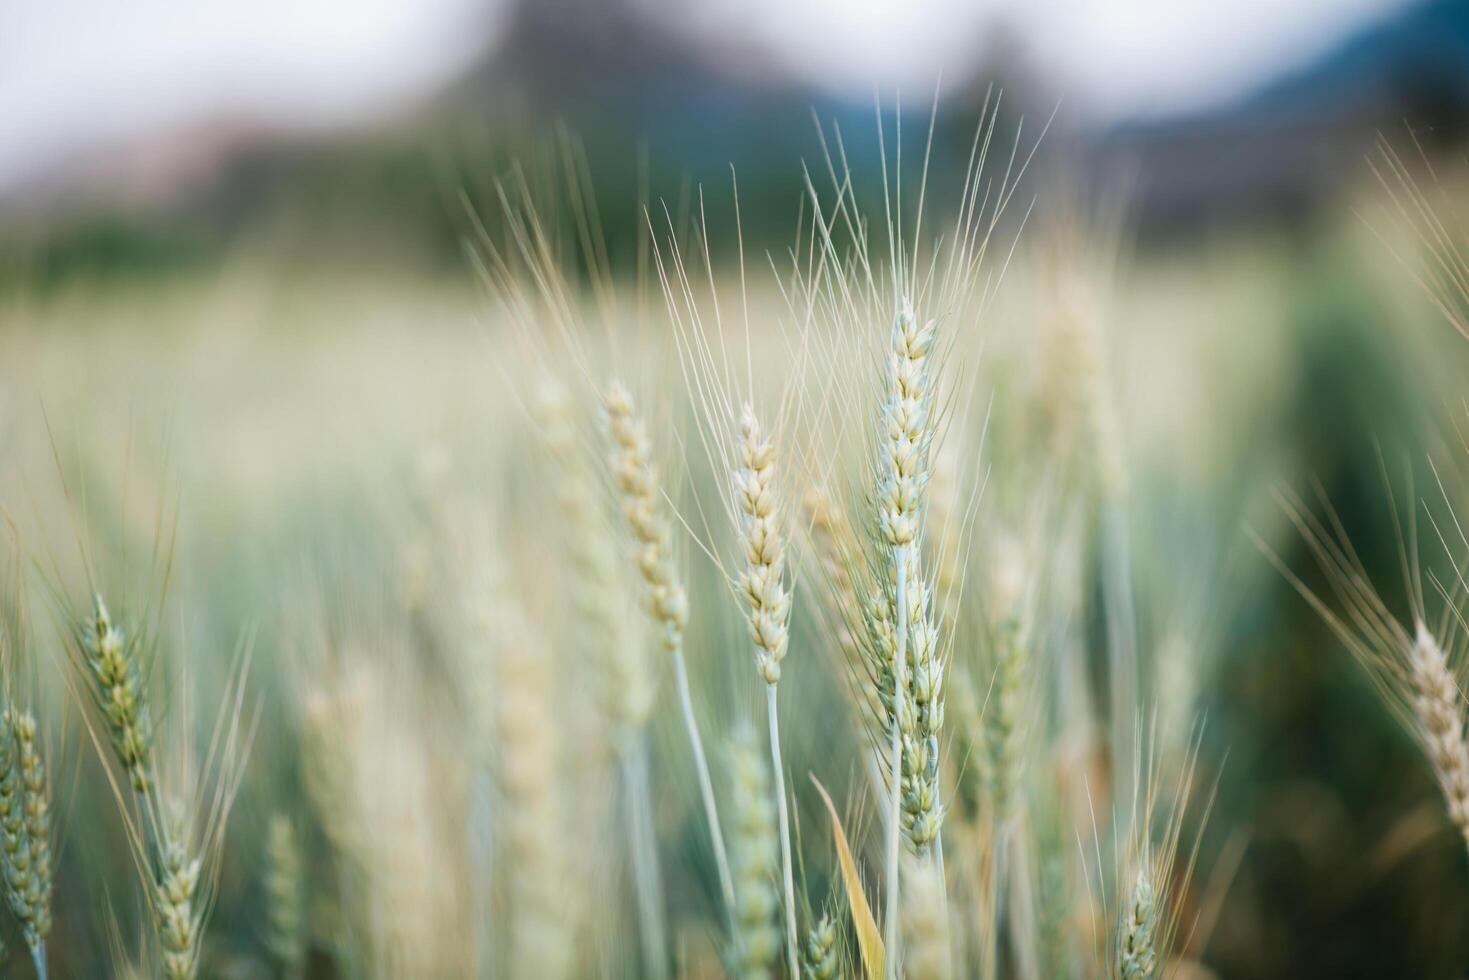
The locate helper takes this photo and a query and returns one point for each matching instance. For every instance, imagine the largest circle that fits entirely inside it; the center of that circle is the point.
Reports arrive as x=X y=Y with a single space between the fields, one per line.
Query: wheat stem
x=773 y=717
x=706 y=785
x=1121 y=614
x=643 y=848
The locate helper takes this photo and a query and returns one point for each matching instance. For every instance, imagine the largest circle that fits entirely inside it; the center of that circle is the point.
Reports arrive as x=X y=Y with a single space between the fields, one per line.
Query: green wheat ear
x=113 y=663
x=819 y=958
x=285 y=889
x=24 y=829
x=175 y=896
x=1137 y=954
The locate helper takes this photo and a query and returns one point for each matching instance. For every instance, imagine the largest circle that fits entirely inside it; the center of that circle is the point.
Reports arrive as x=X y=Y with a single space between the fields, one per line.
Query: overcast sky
x=78 y=73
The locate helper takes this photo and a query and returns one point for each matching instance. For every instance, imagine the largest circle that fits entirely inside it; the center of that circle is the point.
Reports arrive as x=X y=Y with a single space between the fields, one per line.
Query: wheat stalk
x=637 y=482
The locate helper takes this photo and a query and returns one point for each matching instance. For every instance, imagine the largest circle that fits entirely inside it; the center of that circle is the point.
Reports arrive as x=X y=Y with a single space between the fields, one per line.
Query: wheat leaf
x=869 y=937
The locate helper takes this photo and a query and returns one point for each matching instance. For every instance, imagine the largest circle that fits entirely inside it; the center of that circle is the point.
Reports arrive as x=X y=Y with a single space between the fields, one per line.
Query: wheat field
x=929 y=594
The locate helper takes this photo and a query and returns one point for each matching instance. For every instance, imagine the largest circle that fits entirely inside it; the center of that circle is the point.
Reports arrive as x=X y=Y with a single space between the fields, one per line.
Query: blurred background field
x=249 y=296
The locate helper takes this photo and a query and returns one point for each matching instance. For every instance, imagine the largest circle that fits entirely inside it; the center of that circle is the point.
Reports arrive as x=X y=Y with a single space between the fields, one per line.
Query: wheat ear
x=904 y=438
x=1137 y=952
x=819 y=959
x=834 y=542
x=176 y=918
x=637 y=483
x=629 y=684
x=113 y=663
x=285 y=917
x=1412 y=671
x=1439 y=709
x=30 y=896
x=763 y=585
x=527 y=771
x=1011 y=678
x=756 y=939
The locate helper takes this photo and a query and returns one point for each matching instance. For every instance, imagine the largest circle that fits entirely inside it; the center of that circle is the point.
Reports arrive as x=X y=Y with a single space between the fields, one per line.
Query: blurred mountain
x=660 y=105
x=1281 y=151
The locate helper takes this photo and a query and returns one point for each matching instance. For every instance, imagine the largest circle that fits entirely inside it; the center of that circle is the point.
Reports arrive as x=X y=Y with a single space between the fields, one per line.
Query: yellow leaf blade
x=869 y=937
